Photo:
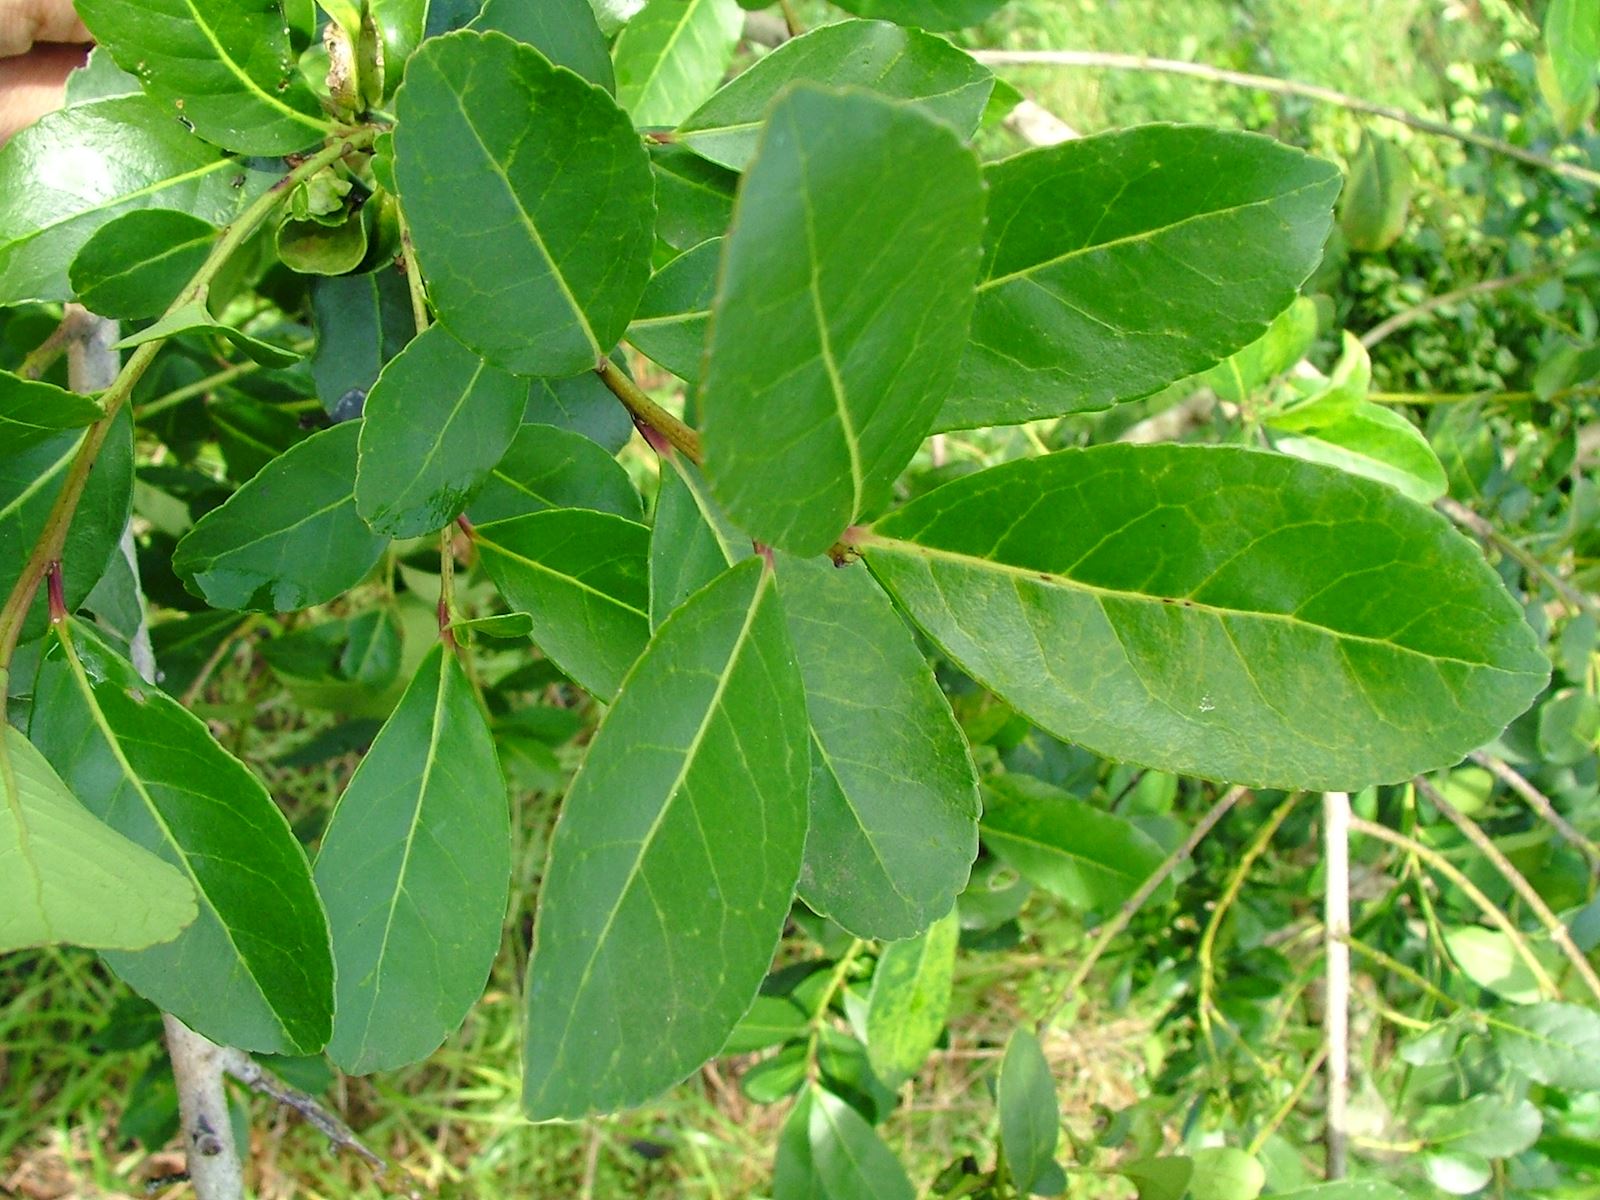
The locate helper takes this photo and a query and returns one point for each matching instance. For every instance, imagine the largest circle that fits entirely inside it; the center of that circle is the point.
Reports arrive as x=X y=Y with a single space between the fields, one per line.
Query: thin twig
x=256 y=1077
x=198 y=683
x=1540 y=803
x=1553 y=924
x=1415 y=978
x=1577 y=600
x=1336 y=978
x=644 y=409
x=791 y=19
x=43 y=356
x=1432 y=304
x=199 y=387
x=1472 y=891
x=1288 y=1105
x=1131 y=906
x=1284 y=87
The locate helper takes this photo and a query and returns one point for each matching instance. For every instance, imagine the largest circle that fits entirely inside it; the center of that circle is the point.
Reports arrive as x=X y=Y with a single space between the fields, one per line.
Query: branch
x=1462 y=515
x=253 y=1075
x=1336 y=949
x=647 y=411
x=212 y=1158
x=1416 y=312
x=1125 y=914
x=1284 y=87
x=1553 y=925
x=1540 y=803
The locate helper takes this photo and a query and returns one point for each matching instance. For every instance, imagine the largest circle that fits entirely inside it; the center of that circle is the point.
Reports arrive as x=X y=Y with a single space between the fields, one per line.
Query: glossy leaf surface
x=674 y=859
x=224 y=65
x=543 y=278
x=437 y=421
x=1216 y=612
x=1085 y=855
x=134 y=266
x=671 y=57
x=254 y=970
x=582 y=578
x=670 y=326
x=288 y=539
x=909 y=1000
x=32 y=412
x=414 y=870
x=564 y=31
x=66 y=877
x=845 y=293
x=1030 y=1115
x=1116 y=264
x=547 y=467
x=894 y=802
x=898 y=63
x=74 y=170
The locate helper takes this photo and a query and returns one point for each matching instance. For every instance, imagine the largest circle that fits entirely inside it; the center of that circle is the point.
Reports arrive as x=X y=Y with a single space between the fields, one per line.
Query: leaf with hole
x=544 y=277
x=1118 y=263
x=674 y=859
x=414 y=870
x=1217 y=612
x=254 y=969
x=845 y=292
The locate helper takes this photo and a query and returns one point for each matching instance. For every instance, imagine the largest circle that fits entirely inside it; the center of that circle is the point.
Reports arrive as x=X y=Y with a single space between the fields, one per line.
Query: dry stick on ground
x=1486 y=906
x=1540 y=803
x=1519 y=883
x=1336 y=977
x=1284 y=87
x=1135 y=902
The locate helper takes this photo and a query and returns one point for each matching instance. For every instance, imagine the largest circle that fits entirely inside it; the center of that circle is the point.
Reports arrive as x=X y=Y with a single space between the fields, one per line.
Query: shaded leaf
x=1488 y=958
x=484 y=126
x=670 y=324
x=564 y=31
x=899 y=63
x=671 y=57
x=254 y=970
x=694 y=197
x=134 y=266
x=65 y=877
x=845 y=293
x=1118 y=263
x=691 y=542
x=1216 y=612
x=225 y=67
x=289 y=538
x=437 y=421
x=1030 y=1115
x=194 y=317
x=73 y=170
x=1485 y=1125
x=909 y=1000
x=771 y=1021
x=32 y=412
x=827 y=1151
x=581 y=404
x=674 y=859
x=547 y=467
x=362 y=322
x=414 y=869
x=1087 y=856
x=582 y=577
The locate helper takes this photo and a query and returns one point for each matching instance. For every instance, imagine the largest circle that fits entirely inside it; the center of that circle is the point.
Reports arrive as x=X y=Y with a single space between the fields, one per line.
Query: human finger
x=34 y=84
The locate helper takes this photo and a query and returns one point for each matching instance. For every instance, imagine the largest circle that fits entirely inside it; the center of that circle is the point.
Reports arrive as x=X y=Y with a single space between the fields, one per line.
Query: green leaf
x=1485 y=1125
x=30 y=480
x=225 y=67
x=1226 y=1173
x=67 y=878
x=1372 y=211
x=583 y=578
x=672 y=56
x=485 y=127
x=1458 y=1173
x=581 y=404
x=1165 y=1178
x=1380 y=444
x=909 y=1000
x=193 y=317
x=1569 y=726
x=901 y=64
x=1554 y=1044
x=1330 y=401
x=362 y=322
x=547 y=467
x=32 y=412
x=1217 y=612
x=564 y=31
x=1572 y=48
x=771 y=1079
x=415 y=868
x=927 y=14
x=437 y=421
x=99 y=79
x=254 y=970
x=134 y=266
x=1488 y=959
x=315 y=247
x=839 y=318
x=674 y=860
x=827 y=1151
x=288 y=539
x=1087 y=856
x=1285 y=343
x=894 y=802
x=1030 y=1115
x=691 y=542
x=402 y=24
x=1347 y=1189
x=771 y=1021
x=670 y=325
x=1118 y=263
x=73 y=170
x=251 y=434
x=501 y=625
x=694 y=198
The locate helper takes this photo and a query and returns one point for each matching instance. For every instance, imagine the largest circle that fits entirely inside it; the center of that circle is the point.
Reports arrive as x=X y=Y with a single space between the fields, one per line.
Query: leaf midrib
x=891 y=545
x=551 y=571
x=250 y=85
